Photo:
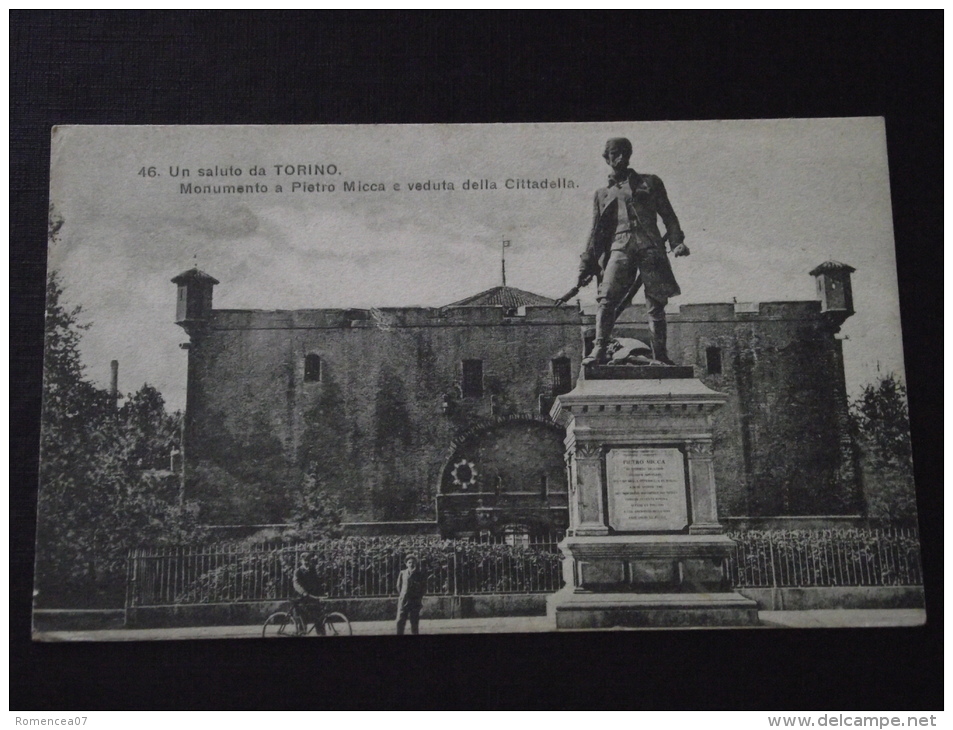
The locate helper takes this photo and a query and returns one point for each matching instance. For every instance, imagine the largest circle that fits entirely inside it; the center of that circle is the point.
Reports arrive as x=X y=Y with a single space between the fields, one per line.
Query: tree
x=882 y=424
x=317 y=513
x=105 y=487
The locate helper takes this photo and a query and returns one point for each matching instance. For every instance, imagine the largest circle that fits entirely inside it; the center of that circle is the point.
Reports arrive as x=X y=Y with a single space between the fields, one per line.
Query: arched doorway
x=504 y=473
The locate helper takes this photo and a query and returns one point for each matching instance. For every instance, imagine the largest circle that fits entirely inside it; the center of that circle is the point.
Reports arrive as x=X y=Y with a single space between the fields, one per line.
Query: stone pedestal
x=644 y=546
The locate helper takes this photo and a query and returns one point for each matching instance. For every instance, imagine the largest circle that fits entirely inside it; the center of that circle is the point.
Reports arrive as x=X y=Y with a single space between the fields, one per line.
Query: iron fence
x=354 y=567
x=367 y=567
x=825 y=558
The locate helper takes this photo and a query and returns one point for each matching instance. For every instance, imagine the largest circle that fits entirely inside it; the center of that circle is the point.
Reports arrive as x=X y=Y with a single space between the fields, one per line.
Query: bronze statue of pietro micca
x=626 y=251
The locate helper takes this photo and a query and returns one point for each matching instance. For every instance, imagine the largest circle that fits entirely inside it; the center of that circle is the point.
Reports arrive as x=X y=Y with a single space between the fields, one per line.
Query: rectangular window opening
x=713 y=360
x=312 y=369
x=472 y=385
x=562 y=375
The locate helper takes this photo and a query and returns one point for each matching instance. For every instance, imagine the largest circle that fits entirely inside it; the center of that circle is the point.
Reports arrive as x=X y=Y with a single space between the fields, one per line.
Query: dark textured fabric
x=306 y=582
x=411 y=587
x=646 y=200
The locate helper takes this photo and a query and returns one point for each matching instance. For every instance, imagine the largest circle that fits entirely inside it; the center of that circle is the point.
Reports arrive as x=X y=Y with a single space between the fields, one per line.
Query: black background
x=209 y=67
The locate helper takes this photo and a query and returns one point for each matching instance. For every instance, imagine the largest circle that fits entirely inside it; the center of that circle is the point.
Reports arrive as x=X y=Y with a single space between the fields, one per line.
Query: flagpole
x=505 y=245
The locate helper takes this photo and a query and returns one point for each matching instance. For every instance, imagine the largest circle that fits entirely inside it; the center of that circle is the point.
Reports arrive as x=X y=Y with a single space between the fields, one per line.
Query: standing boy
x=411 y=586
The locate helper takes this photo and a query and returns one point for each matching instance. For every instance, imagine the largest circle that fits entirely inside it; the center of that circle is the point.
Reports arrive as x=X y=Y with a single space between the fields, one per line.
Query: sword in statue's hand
x=574 y=291
x=678 y=250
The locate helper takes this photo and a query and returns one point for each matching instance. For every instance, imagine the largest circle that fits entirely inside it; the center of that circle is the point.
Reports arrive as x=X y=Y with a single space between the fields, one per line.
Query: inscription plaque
x=647 y=489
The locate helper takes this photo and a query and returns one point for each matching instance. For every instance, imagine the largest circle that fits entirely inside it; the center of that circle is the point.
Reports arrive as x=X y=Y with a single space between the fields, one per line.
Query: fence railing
x=366 y=567
x=355 y=567
x=825 y=558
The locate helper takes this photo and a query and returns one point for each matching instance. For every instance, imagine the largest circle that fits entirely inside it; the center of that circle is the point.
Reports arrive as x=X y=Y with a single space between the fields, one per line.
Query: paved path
x=844 y=618
x=531 y=624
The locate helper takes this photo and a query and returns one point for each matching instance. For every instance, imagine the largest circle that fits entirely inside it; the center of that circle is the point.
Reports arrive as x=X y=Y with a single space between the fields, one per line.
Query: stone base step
x=573 y=610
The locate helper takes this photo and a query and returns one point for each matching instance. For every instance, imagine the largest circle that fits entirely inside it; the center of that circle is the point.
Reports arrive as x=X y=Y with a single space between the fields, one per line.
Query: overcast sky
x=761 y=203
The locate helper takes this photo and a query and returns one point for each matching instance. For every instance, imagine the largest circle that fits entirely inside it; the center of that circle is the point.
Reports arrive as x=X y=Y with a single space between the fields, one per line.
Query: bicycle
x=291 y=621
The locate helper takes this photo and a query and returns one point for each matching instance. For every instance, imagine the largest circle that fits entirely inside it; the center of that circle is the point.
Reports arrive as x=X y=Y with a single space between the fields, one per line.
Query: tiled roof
x=504 y=296
x=194 y=274
x=830 y=266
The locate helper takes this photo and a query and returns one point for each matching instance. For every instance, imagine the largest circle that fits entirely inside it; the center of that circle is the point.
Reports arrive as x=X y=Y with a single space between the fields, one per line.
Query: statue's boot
x=659 y=330
x=598 y=355
x=604 y=322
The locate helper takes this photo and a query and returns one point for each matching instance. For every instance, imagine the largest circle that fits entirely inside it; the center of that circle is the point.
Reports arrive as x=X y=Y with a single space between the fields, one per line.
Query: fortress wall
x=377 y=432
x=375 y=426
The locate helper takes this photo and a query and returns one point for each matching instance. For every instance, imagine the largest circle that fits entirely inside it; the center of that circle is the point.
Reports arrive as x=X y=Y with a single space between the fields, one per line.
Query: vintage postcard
x=345 y=380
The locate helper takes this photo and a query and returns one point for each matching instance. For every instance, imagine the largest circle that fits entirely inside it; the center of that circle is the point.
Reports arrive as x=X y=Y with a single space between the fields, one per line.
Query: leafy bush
x=857 y=557
x=347 y=568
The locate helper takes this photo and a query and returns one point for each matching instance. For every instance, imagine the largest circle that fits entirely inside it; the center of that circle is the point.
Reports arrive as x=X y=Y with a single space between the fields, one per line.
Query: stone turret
x=194 y=300
x=834 y=291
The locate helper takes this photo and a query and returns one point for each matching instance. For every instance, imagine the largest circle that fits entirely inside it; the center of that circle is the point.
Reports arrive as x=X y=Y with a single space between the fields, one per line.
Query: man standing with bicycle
x=411 y=586
x=307 y=607
x=308 y=588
